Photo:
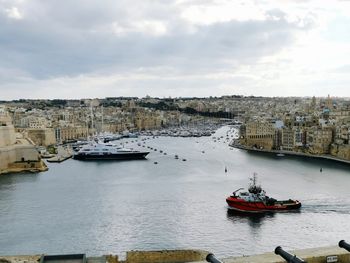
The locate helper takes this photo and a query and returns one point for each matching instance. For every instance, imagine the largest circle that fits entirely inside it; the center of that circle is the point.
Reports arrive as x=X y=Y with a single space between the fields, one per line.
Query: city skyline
x=175 y=48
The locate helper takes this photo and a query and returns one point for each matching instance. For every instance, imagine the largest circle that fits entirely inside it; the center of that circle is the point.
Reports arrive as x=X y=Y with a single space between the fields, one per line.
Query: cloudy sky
x=94 y=48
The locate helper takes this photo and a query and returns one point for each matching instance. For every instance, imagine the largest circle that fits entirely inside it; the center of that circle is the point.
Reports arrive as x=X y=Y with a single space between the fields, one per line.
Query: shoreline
x=291 y=153
x=23 y=167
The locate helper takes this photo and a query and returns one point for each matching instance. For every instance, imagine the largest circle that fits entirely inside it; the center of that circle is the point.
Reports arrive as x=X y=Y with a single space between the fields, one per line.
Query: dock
x=59 y=158
x=62 y=155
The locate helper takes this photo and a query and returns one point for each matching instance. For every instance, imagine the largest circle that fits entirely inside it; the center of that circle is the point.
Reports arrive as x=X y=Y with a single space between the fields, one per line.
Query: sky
x=173 y=48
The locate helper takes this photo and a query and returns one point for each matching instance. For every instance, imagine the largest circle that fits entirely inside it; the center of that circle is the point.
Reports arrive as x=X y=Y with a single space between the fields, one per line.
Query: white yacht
x=107 y=151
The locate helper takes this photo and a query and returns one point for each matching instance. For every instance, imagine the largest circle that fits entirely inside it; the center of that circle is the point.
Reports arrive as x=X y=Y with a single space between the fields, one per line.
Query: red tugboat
x=256 y=200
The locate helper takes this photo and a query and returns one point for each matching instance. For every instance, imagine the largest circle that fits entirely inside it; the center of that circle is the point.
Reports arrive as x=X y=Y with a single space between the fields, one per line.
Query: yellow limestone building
x=16 y=154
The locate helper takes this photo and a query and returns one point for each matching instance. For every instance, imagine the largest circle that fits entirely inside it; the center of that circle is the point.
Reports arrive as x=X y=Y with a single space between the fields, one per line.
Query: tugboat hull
x=260 y=207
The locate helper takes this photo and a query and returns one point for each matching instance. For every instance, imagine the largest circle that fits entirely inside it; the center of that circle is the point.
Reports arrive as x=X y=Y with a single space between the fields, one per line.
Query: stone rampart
x=42 y=137
x=19 y=158
x=313 y=255
x=7 y=135
x=164 y=256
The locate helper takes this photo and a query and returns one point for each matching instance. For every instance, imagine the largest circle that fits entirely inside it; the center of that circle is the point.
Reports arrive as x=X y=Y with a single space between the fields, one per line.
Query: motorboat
x=256 y=200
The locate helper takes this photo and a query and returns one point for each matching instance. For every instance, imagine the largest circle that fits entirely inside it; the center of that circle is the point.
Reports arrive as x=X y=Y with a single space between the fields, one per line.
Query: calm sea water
x=113 y=207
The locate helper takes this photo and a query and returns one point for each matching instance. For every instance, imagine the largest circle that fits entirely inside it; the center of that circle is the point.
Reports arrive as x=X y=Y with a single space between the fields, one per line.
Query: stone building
x=287 y=139
x=16 y=154
x=319 y=140
x=259 y=134
x=68 y=133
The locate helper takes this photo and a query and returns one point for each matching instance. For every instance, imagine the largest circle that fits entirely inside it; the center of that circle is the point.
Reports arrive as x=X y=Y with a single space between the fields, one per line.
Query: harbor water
x=103 y=207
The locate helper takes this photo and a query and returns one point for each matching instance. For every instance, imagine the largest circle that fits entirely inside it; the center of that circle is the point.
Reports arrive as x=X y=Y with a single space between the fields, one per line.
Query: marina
x=137 y=205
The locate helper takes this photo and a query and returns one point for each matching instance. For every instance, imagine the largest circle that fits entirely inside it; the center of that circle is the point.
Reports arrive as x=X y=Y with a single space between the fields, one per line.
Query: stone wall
x=265 y=143
x=164 y=256
x=341 y=151
x=7 y=135
x=7 y=156
x=312 y=255
x=18 y=158
x=42 y=137
x=344 y=152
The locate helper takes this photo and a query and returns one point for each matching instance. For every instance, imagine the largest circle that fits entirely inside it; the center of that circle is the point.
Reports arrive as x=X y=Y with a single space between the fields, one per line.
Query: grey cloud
x=73 y=38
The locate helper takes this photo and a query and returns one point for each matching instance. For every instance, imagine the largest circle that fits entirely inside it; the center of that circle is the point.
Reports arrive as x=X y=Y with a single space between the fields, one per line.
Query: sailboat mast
x=102 y=120
x=92 y=117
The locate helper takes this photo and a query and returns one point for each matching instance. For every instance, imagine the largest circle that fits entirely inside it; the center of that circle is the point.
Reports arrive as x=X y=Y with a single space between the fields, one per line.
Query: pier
x=62 y=155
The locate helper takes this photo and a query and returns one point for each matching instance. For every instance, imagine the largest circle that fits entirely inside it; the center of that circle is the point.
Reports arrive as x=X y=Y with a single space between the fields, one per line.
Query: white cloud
x=13 y=13
x=147 y=27
x=221 y=11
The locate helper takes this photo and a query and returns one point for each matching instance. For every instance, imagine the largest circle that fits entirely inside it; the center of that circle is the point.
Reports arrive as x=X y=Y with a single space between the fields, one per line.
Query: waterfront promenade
x=235 y=144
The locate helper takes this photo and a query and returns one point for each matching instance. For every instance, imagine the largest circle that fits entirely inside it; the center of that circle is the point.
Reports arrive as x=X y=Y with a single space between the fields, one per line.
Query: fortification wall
x=7 y=135
x=43 y=137
x=19 y=158
x=162 y=256
x=7 y=156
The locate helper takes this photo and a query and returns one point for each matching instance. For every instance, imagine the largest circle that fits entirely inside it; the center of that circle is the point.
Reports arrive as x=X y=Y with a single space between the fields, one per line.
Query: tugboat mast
x=254 y=180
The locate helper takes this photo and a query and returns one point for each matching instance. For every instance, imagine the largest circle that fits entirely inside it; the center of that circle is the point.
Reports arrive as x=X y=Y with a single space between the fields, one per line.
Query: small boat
x=256 y=200
x=280 y=154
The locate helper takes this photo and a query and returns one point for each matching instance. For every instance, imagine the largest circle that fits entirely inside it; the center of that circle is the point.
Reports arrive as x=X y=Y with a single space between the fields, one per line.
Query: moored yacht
x=107 y=151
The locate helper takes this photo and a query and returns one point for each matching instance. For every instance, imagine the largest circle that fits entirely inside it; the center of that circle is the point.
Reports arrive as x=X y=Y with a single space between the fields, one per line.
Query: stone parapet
x=7 y=135
x=312 y=255
x=164 y=256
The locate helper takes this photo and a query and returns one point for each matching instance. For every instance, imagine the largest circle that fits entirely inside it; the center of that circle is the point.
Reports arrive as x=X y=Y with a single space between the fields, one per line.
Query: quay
x=328 y=157
x=62 y=155
x=311 y=255
x=59 y=159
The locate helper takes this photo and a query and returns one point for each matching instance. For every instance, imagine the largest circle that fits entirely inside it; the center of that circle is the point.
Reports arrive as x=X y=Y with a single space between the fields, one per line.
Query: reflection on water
x=12 y=179
x=255 y=220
